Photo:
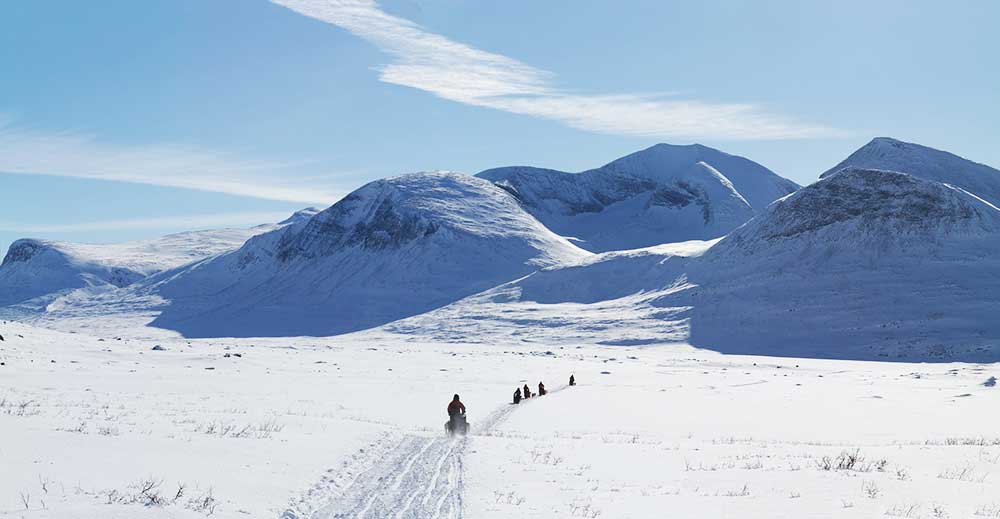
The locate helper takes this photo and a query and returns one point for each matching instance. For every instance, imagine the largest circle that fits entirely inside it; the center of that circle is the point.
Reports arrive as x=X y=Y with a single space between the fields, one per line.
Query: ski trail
x=417 y=477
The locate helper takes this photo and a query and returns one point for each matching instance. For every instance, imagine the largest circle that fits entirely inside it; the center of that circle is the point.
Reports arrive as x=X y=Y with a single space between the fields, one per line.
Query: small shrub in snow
x=260 y=431
x=545 y=458
x=508 y=498
x=990 y=510
x=966 y=474
x=870 y=490
x=578 y=509
x=204 y=503
x=148 y=492
x=25 y=408
x=851 y=461
x=743 y=492
x=977 y=442
x=911 y=510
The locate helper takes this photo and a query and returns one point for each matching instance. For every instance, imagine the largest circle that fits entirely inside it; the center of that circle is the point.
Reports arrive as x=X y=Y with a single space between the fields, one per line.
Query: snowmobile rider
x=527 y=391
x=517 y=396
x=456 y=407
x=541 y=389
x=572 y=380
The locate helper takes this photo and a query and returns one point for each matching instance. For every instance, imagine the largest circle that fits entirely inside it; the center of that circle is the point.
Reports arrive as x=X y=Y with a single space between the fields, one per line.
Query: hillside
x=658 y=195
x=393 y=248
x=862 y=264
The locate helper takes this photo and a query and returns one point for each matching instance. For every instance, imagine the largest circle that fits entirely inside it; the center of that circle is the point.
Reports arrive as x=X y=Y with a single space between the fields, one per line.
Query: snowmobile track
x=418 y=477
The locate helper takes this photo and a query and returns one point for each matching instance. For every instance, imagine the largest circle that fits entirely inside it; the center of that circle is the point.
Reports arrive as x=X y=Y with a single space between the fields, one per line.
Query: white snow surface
x=107 y=427
x=662 y=194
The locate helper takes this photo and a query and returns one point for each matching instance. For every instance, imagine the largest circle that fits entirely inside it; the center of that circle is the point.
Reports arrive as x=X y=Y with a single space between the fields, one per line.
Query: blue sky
x=123 y=120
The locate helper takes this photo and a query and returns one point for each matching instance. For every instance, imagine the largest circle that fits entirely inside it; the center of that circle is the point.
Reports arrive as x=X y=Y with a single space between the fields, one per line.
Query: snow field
x=352 y=427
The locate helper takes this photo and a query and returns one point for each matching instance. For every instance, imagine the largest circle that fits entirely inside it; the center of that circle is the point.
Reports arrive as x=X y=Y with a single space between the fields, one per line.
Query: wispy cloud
x=203 y=221
x=72 y=154
x=465 y=74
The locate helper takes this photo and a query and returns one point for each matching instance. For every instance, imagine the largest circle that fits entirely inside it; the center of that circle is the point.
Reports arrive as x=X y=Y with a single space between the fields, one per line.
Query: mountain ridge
x=925 y=162
x=662 y=194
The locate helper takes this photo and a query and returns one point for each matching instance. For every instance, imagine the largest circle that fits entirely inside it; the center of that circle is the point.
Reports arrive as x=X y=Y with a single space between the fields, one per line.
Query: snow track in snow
x=416 y=477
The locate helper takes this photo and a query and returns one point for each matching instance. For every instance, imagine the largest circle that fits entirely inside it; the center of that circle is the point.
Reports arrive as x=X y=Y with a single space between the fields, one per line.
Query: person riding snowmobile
x=541 y=389
x=527 y=391
x=456 y=417
x=517 y=396
x=456 y=407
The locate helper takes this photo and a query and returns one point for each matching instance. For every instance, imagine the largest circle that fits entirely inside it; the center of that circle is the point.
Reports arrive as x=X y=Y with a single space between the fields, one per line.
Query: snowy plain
x=308 y=427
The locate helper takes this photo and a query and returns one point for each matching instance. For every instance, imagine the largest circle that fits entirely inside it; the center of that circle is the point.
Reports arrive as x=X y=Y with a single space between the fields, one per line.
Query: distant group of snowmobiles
x=525 y=392
x=457 y=423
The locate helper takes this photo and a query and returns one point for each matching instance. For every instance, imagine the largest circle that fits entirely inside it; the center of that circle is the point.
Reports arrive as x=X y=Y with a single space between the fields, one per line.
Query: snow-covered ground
x=315 y=428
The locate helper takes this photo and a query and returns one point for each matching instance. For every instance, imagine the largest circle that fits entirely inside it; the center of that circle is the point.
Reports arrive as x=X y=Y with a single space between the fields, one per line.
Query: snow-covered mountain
x=662 y=194
x=929 y=163
x=40 y=270
x=393 y=248
x=862 y=264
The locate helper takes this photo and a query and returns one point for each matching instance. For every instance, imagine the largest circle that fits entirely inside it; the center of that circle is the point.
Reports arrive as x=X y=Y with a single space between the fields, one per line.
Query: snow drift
x=662 y=194
x=393 y=248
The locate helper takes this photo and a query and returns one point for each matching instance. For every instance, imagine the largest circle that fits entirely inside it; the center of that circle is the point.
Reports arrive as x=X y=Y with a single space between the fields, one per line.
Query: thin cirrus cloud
x=204 y=221
x=71 y=154
x=462 y=73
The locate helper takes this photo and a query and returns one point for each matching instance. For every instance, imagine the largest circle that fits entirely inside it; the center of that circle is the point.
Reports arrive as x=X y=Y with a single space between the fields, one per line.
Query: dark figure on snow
x=527 y=391
x=572 y=380
x=541 y=389
x=517 y=396
x=456 y=407
x=456 y=423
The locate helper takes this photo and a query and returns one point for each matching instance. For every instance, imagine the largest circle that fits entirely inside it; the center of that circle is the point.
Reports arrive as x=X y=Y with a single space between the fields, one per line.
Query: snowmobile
x=457 y=424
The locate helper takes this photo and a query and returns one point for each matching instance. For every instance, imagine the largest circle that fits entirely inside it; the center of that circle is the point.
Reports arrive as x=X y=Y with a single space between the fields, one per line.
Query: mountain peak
x=861 y=207
x=23 y=250
x=887 y=140
x=393 y=248
x=664 y=193
x=300 y=216
x=885 y=153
